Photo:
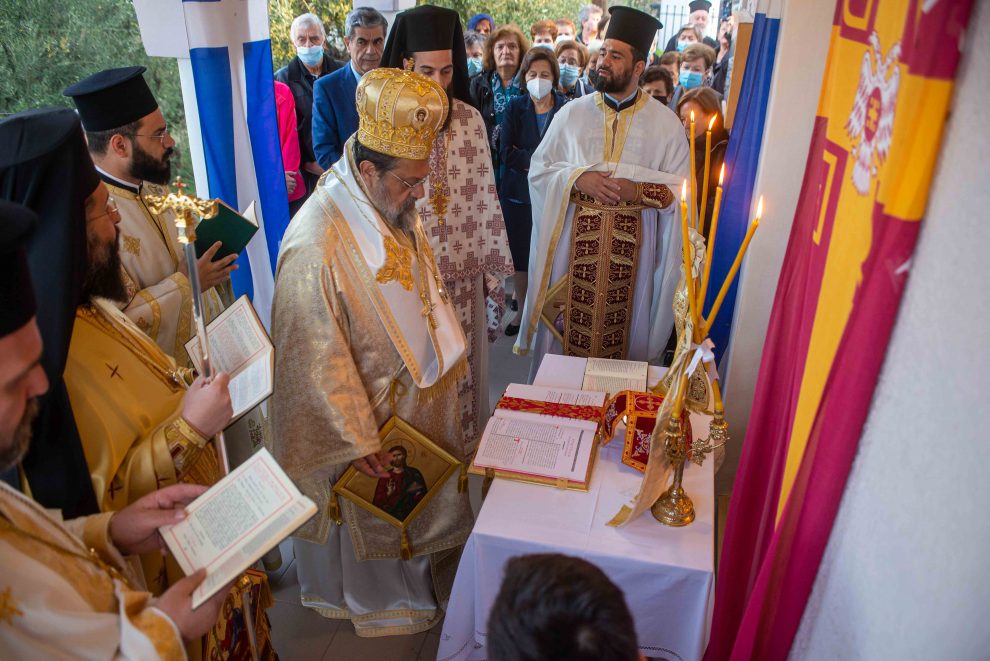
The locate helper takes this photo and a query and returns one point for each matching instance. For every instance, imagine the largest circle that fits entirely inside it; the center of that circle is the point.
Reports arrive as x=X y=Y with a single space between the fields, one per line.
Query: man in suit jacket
x=335 y=116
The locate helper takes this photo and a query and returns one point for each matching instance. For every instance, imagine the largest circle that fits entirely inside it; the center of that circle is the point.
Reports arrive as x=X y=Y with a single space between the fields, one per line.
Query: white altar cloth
x=667 y=574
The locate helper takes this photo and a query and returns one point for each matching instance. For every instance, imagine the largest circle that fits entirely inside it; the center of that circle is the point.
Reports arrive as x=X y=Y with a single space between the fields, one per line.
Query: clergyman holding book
x=364 y=330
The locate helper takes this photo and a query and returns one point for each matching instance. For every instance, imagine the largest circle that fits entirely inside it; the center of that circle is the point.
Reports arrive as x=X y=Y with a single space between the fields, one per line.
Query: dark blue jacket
x=335 y=117
x=519 y=138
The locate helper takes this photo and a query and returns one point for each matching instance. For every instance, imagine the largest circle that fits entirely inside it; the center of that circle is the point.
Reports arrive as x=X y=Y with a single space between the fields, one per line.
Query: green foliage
x=521 y=12
x=49 y=44
x=281 y=13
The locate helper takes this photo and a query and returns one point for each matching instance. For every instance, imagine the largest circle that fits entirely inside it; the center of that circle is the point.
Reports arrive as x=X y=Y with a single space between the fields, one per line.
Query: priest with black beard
x=131 y=146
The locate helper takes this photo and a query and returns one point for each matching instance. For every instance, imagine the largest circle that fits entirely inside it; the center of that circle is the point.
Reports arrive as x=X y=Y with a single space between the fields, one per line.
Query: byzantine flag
x=877 y=134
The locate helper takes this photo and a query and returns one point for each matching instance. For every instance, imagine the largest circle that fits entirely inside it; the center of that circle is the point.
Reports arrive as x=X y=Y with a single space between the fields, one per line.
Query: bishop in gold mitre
x=130 y=143
x=606 y=243
x=364 y=330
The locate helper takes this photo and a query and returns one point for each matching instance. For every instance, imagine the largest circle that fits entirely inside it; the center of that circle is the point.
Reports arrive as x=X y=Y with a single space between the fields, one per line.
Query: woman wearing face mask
x=572 y=58
x=695 y=70
x=687 y=35
x=524 y=125
x=705 y=102
x=474 y=47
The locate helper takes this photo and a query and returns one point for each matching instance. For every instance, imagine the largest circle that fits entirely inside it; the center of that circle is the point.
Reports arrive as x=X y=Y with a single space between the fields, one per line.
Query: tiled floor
x=302 y=635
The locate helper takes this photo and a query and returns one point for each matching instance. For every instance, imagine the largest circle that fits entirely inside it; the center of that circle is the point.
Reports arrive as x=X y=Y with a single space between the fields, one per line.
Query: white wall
x=800 y=63
x=906 y=573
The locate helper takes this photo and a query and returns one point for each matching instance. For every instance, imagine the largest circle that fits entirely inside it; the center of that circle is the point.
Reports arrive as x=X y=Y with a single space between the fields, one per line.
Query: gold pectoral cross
x=397 y=266
x=428 y=307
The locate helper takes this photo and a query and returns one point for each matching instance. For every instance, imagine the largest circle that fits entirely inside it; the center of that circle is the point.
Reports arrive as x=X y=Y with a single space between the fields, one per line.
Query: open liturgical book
x=614 y=376
x=241 y=517
x=240 y=347
x=542 y=435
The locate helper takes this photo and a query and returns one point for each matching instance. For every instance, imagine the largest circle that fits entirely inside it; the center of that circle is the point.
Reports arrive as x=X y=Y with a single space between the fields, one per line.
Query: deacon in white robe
x=602 y=274
x=365 y=330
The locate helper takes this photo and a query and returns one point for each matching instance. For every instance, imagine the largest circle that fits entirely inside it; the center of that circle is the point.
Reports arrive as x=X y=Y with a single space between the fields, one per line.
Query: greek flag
x=742 y=160
x=224 y=53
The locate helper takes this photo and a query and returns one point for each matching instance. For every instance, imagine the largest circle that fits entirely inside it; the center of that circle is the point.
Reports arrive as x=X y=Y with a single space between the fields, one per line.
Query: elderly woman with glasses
x=496 y=85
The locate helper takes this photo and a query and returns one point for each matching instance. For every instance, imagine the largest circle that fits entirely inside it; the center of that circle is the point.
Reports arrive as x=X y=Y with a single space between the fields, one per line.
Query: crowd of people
x=390 y=281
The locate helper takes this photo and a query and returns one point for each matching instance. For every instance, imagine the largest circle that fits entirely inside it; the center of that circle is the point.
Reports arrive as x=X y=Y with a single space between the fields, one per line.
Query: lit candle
x=686 y=247
x=704 y=181
x=734 y=269
x=694 y=178
x=703 y=292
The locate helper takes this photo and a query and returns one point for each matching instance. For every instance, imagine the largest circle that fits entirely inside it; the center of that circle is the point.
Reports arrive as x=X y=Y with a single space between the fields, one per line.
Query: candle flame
x=721 y=174
x=684 y=190
x=711 y=123
x=692 y=117
x=759 y=210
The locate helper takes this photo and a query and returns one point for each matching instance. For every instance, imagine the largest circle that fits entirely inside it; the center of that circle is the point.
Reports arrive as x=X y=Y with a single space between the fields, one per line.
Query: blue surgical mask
x=681 y=45
x=545 y=45
x=689 y=79
x=568 y=75
x=310 y=55
x=474 y=66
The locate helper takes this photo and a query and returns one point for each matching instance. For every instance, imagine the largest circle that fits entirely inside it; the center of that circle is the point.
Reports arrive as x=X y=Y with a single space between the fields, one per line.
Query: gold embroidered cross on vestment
x=398 y=264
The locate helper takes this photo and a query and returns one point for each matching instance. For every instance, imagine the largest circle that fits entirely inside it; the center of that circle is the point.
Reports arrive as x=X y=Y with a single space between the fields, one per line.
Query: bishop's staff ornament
x=185 y=207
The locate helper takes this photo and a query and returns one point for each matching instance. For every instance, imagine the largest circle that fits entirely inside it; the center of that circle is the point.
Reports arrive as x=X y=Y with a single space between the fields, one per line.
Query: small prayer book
x=234 y=230
x=614 y=376
x=241 y=517
x=240 y=347
x=542 y=435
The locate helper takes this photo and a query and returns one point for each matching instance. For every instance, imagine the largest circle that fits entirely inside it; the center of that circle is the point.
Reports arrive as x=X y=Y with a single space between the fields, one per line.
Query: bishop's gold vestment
x=56 y=604
x=334 y=363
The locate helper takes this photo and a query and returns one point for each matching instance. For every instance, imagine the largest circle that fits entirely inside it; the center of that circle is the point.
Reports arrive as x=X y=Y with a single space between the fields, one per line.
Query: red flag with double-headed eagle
x=877 y=135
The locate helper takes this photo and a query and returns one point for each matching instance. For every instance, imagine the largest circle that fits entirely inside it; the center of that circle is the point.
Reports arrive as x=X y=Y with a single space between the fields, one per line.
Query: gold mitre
x=400 y=112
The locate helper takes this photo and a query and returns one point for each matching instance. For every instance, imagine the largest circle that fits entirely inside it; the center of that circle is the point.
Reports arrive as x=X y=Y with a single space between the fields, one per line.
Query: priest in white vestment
x=606 y=242
x=364 y=330
x=66 y=589
x=460 y=212
x=129 y=141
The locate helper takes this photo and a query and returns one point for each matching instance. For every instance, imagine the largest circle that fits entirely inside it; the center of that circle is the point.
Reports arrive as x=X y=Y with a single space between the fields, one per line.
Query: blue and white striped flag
x=225 y=62
x=742 y=160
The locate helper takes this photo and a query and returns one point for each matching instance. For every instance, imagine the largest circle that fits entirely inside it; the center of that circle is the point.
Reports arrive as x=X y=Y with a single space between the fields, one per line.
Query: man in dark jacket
x=310 y=63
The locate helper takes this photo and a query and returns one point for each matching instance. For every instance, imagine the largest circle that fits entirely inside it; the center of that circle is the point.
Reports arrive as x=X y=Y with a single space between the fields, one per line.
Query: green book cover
x=232 y=229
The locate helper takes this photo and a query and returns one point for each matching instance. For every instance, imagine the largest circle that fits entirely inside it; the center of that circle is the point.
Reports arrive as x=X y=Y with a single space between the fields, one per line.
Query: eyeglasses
x=415 y=184
x=111 y=209
x=159 y=135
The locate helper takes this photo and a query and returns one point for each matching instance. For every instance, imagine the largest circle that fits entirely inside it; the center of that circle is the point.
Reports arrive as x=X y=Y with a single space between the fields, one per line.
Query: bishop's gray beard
x=402 y=216
x=12 y=450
